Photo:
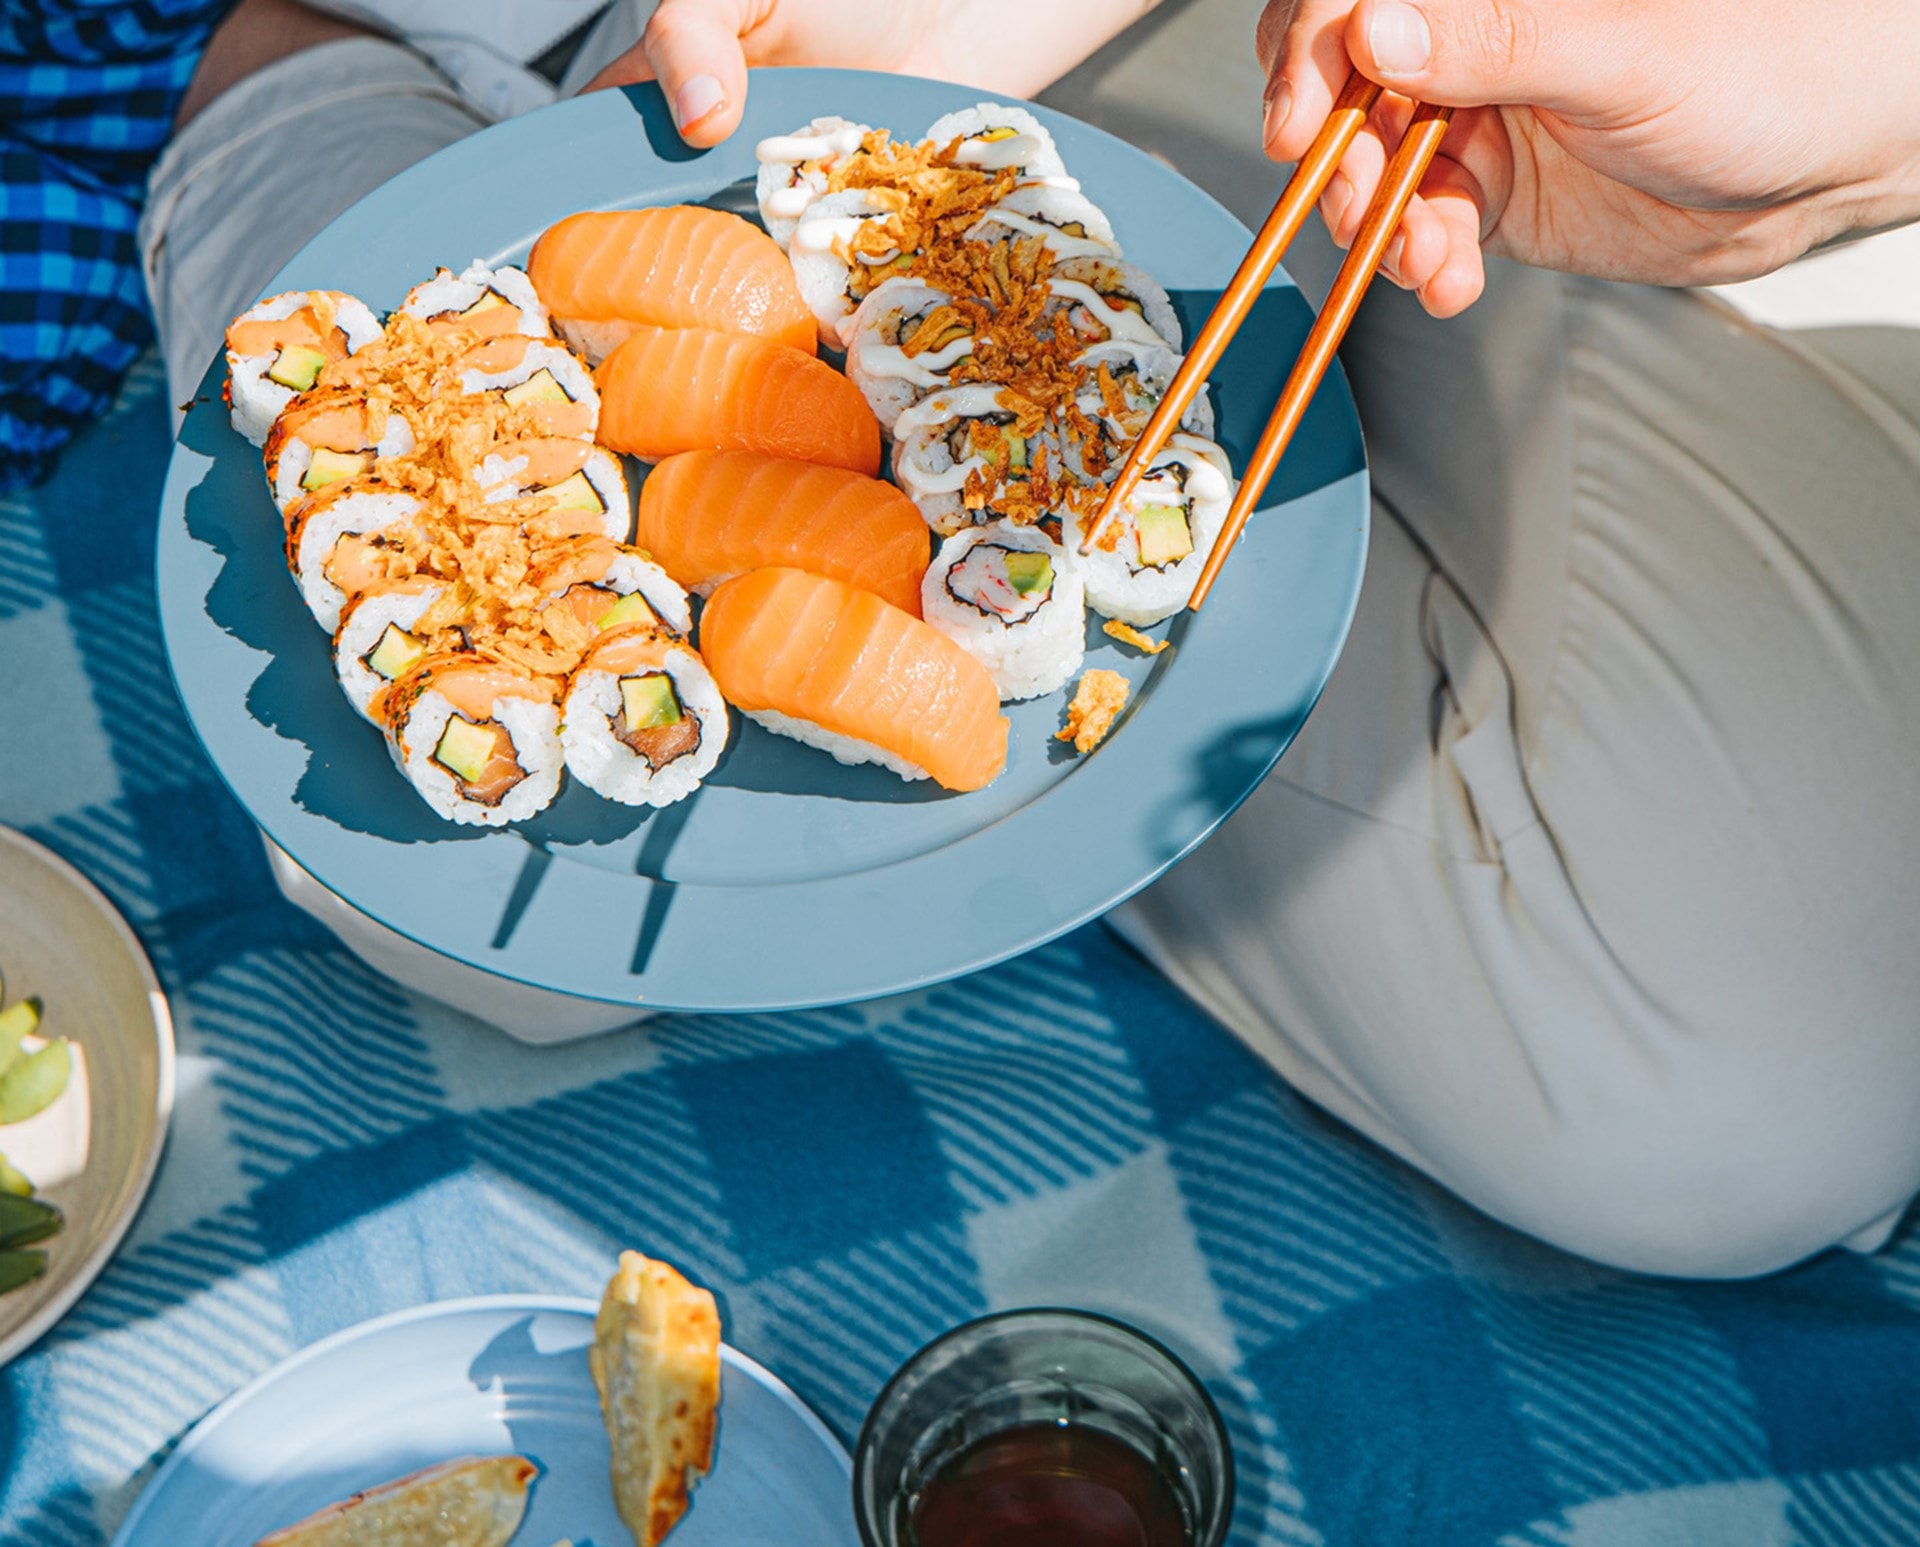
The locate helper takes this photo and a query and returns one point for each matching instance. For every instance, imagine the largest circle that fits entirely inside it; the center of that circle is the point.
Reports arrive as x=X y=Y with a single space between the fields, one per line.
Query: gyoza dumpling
x=656 y=1360
x=476 y=1501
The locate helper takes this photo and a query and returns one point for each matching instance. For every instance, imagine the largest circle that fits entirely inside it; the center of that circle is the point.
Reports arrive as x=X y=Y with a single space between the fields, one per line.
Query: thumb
x=1473 y=53
x=695 y=50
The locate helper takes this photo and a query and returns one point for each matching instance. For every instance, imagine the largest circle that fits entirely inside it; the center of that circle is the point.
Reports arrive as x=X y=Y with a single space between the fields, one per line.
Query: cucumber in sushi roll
x=277 y=349
x=1071 y=224
x=488 y=302
x=1011 y=599
x=996 y=136
x=327 y=438
x=585 y=483
x=375 y=644
x=642 y=722
x=890 y=360
x=545 y=379
x=794 y=169
x=340 y=539
x=479 y=741
x=1149 y=557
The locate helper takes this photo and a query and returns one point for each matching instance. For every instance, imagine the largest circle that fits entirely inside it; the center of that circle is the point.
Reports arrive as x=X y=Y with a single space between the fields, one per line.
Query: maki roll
x=478 y=740
x=487 y=302
x=1008 y=597
x=838 y=261
x=328 y=437
x=891 y=357
x=587 y=488
x=794 y=169
x=1100 y=300
x=642 y=722
x=1071 y=224
x=604 y=586
x=972 y=453
x=375 y=644
x=1148 y=559
x=996 y=136
x=277 y=349
x=340 y=541
x=543 y=378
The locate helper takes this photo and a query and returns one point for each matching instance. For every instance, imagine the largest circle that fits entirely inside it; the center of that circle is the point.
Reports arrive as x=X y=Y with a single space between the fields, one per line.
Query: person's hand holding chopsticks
x=1665 y=141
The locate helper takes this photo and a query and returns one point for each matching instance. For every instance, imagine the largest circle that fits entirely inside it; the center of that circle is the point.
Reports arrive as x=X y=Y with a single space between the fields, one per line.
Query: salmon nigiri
x=667 y=390
x=836 y=667
x=685 y=266
x=707 y=515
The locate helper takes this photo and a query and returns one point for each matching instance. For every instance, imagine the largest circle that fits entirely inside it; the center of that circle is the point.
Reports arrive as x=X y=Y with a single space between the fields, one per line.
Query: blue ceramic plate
x=787 y=880
x=482 y=1377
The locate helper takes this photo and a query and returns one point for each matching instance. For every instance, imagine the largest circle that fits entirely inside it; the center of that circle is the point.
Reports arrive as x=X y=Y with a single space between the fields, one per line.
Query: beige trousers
x=1589 y=887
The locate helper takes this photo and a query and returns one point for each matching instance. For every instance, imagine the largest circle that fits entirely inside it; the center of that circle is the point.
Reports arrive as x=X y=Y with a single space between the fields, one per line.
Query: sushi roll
x=544 y=379
x=838 y=262
x=962 y=458
x=642 y=722
x=375 y=644
x=882 y=332
x=605 y=587
x=1101 y=300
x=707 y=516
x=328 y=437
x=794 y=169
x=1122 y=383
x=1008 y=597
x=837 y=668
x=585 y=483
x=488 y=302
x=995 y=137
x=340 y=542
x=1147 y=561
x=478 y=740
x=602 y=272
x=1071 y=224
x=277 y=349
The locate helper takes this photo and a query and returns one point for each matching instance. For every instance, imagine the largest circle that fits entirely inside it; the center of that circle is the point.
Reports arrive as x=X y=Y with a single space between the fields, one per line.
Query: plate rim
x=205 y=1427
x=878 y=982
x=51 y=1310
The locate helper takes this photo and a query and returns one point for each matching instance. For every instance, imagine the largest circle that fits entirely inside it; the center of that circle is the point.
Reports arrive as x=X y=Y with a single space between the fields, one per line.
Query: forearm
x=1022 y=46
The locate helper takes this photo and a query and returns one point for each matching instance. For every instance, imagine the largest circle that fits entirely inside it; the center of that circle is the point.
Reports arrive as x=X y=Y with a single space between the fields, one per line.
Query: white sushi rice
x=823 y=264
x=257 y=400
x=1030 y=151
x=1038 y=210
x=850 y=750
x=594 y=339
x=499 y=477
x=1191 y=473
x=533 y=728
x=362 y=625
x=449 y=292
x=794 y=169
x=356 y=513
x=287 y=468
x=573 y=377
x=1094 y=291
x=1030 y=644
x=892 y=380
x=609 y=767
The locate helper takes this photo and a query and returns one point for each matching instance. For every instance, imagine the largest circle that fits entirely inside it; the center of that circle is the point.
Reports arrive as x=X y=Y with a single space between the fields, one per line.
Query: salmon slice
x=679 y=267
x=667 y=390
x=828 y=652
x=707 y=515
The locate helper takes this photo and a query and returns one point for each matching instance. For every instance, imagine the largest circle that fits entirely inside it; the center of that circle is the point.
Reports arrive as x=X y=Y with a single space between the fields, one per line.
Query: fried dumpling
x=476 y=1501
x=656 y=1360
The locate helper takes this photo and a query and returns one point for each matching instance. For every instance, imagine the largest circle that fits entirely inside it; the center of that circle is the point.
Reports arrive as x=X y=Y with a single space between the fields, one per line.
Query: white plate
x=93 y=1152
x=487 y=1376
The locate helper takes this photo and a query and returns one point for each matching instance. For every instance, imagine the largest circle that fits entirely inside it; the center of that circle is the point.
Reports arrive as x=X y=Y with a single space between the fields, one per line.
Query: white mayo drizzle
x=823 y=233
x=924 y=370
x=1205 y=481
x=792 y=149
x=1121 y=322
x=1058 y=242
x=996 y=155
x=791 y=202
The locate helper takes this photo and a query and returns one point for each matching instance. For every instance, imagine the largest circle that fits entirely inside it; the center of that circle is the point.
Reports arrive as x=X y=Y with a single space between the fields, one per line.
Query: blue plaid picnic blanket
x=1393 y=1367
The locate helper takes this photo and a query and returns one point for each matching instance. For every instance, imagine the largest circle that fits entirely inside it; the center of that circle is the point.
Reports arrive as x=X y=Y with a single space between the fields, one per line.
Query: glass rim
x=863 y=1447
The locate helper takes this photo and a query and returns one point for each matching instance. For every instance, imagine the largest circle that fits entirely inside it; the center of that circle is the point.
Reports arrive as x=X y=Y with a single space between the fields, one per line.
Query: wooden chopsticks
x=1310 y=178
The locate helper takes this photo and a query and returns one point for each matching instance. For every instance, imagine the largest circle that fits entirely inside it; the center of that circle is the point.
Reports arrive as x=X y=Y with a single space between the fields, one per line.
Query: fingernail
x=1338 y=196
x=1396 y=250
x=1399 y=39
x=699 y=97
x=1279 y=105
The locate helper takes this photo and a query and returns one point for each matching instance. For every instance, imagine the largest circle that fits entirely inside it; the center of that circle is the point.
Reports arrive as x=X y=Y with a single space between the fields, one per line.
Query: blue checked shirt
x=87 y=96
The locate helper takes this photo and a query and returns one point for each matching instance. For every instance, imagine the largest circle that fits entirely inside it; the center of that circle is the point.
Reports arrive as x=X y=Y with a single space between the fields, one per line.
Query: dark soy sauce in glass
x=1048 y=1485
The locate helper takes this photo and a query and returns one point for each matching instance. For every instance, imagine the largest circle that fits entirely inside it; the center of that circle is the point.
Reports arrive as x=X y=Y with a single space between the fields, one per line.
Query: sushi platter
x=699 y=857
